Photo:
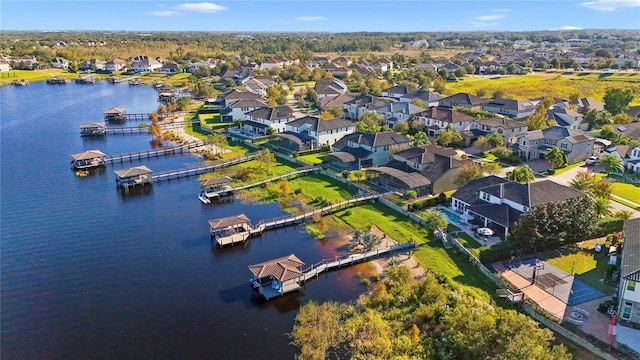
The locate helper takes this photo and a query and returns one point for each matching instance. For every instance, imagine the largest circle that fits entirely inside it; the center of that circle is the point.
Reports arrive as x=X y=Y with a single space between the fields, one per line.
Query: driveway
x=566 y=177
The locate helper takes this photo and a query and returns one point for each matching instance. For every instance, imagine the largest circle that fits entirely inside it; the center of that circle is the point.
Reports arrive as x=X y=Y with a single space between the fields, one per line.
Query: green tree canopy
x=556 y=157
x=552 y=225
x=370 y=122
x=611 y=163
x=448 y=136
x=617 y=100
x=522 y=174
x=467 y=173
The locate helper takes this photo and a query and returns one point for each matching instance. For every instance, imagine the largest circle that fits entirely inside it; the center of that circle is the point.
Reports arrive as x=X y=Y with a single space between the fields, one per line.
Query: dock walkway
x=155 y=152
x=198 y=170
x=349 y=259
x=145 y=129
x=206 y=197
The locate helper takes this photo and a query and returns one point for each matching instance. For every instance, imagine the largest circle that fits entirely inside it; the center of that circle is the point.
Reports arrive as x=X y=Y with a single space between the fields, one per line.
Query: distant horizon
x=314 y=16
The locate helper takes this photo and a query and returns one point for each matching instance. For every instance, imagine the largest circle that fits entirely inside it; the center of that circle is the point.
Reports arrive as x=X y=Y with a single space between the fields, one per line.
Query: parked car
x=598 y=247
x=592 y=160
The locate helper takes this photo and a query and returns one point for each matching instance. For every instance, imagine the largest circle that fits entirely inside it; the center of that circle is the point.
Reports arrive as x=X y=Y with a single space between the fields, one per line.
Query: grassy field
x=587 y=265
x=430 y=253
x=568 y=167
x=312 y=159
x=546 y=84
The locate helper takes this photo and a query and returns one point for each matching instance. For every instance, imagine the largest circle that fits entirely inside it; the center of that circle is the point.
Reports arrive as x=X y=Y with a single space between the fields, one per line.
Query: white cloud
x=490 y=17
x=610 y=5
x=310 y=18
x=205 y=7
x=501 y=10
x=163 y=13
x=569 y=27
x=484 y=24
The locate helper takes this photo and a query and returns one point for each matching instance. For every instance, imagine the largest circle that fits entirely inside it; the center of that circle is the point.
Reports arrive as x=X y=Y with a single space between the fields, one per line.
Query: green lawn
x=312 y=159
x=322 y=185
x=587 y=265
x=469 y=242
x=568 y=167
x=627 y=191
x=430 y=253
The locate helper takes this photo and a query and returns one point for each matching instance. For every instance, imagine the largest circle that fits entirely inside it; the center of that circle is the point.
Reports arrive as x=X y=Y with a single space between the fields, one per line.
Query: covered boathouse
x=213 y=188
x=93 y=129
x=231 y=229
x=277 y=277
x=88 y=159
x=117 y=115
x=139 y=175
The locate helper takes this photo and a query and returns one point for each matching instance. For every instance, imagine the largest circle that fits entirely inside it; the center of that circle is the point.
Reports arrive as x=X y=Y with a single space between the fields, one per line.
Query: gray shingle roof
x=630 y=265
x=470 y=192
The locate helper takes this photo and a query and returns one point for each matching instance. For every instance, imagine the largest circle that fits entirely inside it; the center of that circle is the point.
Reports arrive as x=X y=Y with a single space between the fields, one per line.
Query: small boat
x=21 y=82
x=82 y=172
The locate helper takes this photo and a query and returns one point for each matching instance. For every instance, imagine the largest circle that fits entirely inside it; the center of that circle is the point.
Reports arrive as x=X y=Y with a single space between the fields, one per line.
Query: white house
x=147 y=65
x=437 y=118
x=629 y=289
x=236 y=109
x=60 y=63
x=4 y=66
x=326 y=132
x=259 y=120
x=115 y=65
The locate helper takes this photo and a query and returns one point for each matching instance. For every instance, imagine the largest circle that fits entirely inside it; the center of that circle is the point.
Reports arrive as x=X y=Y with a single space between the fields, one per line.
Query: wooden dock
x=145 y=129
x=198 y=170
x=206 y=197
x=265 y=288
x=288 y=220
x=155 y=152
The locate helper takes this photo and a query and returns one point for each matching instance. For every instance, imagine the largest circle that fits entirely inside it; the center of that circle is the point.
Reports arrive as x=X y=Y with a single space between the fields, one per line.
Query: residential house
x=115 y=65
x=276 y=117
x=258 y=84
x=93 y=65
x=497 y=203
x=272 y=64
x=238 y=74
x=341 y=60
x=430 y=98
x=319 y=61
x=630 y=156
x=25 y=62
x=170 y=68
x=146 y=65
x=329 y=87
x=397 y=111
x=628 y=324
x=60 y=63
x=568 y=118
x=464 y=100
x=338 y=101
x=337 y=70
x=236 y=109
x=589 y=103
x=361 y=150
x=311 y=132
x=436 y=119
x=4 y=66
x=204 y=64
x=576 y=144
x=489 y=67
x=353 y=109
x=396 y=92
x=509 y=129
x=517 y=109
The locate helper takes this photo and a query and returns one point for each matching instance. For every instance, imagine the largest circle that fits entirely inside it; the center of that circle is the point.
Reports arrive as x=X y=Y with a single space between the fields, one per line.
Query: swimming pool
x=451 y=216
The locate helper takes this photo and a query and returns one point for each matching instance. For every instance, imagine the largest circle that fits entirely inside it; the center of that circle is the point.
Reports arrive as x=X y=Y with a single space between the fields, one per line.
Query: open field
x=547 y=84
x=627 y=191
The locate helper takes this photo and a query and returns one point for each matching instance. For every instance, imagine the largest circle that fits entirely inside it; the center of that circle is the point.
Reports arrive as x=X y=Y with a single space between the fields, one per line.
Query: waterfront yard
x=430 y=253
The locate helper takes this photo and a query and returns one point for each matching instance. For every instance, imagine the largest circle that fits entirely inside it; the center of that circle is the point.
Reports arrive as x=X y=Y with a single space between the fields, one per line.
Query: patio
x=469 y=225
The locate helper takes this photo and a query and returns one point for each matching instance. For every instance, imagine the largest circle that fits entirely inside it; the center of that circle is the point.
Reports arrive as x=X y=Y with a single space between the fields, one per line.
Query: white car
x=592 y=160
x=598 y=247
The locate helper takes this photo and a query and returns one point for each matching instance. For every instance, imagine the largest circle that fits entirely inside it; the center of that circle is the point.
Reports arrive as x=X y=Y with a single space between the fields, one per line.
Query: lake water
x=88 y=272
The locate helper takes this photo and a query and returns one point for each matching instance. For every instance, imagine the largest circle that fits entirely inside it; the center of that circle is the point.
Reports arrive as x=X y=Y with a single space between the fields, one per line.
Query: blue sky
x=327 y=15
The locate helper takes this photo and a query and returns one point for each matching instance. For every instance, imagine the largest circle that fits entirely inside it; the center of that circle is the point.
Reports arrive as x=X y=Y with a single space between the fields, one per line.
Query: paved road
x=569 y=175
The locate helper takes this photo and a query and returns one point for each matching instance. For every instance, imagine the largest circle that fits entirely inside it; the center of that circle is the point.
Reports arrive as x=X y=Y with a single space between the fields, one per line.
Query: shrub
x=410 y=194
x=607 y=226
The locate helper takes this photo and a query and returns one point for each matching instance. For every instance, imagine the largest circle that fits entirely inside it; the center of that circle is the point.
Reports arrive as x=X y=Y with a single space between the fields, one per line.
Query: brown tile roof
x=282 y=269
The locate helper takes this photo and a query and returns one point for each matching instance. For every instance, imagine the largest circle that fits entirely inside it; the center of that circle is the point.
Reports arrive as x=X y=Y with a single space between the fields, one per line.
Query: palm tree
x=449 y=135
x=420 y=138
x=602 y=207
x=580 y=184
x=522 y=174
x=436 y=219
x=611 y=163
x=556 y=157
x=623 y=214
x=495 y=139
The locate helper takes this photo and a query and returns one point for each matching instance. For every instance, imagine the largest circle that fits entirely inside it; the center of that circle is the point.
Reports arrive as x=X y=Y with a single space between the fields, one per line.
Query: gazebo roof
x=282 y=269
x=115 y=111
x=92 y=125
x=216 y=181
x=89 y=154
x=134 y=171
x=229 y=221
